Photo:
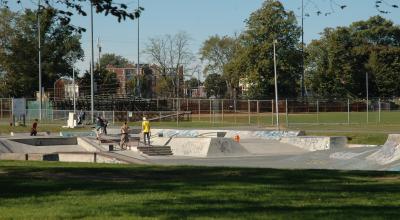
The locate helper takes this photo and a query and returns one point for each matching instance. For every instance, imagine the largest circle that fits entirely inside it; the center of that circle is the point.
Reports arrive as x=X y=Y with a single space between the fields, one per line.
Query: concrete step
x=156 y=150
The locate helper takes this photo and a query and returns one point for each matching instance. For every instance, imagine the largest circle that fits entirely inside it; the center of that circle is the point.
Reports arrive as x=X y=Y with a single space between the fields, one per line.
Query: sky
x=204 y=18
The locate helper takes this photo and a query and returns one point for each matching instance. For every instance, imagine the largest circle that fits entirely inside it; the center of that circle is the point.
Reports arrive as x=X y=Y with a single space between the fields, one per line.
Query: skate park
x=202 y=147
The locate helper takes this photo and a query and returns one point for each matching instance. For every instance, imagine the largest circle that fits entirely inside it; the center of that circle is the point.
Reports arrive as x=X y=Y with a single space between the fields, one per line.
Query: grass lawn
x=50 y=190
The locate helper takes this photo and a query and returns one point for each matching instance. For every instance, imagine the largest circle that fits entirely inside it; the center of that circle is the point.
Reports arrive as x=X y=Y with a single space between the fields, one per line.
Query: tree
x=106 y=82
x=192 y=83
x=254 y=57
x=61 y=48
x=215 y=85
x=164 y=87
x=338 y=62
x=217 y=52
x=64 y=10
x=170 y=53
x=114 y=60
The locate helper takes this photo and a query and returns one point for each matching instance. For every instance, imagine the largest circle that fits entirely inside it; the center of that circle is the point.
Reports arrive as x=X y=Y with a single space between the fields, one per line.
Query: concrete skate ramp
x=202 y=147
x=46 y=141
x=266 y=134
x=389 y=152
x=316 y=143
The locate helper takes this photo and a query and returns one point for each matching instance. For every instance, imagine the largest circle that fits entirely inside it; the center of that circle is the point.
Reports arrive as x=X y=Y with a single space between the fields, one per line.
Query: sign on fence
x=19 y=107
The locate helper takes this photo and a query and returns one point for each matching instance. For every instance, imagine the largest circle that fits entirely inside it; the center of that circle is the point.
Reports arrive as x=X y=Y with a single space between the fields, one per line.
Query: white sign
x=18 y=107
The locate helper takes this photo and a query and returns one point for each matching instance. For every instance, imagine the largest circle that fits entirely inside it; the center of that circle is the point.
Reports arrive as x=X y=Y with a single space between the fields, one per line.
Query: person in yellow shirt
x=146 y=131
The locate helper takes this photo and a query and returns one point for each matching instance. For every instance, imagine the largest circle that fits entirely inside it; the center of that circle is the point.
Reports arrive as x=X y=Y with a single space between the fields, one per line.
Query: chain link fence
x=227 y=112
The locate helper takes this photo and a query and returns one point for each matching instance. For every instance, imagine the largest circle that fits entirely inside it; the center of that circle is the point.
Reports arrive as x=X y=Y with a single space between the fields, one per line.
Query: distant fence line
x=238 y=112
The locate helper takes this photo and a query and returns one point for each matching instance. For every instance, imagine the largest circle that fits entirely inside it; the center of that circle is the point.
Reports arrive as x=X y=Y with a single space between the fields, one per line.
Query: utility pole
x=40 y=63
x=276 y=87
x=73 y=84
x=367 y=89
x=99 y=48
x=302 y=50
x=91 y=64
x=138 y=54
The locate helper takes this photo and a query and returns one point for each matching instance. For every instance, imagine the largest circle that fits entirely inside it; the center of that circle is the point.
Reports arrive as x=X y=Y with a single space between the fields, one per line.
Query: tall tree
x=171 y=53
x=61 y=48
x=338 y=62
x=217 y=52
x=254 y=58
x=114 y=60
x=64 y=10
x=105 y=82
x=215 y=85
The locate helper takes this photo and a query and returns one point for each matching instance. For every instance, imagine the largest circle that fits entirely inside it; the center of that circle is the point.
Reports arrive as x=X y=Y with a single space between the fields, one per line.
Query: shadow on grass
x=181 y=192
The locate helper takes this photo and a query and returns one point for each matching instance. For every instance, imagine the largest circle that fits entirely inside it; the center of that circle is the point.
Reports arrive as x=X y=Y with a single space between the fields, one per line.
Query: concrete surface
x=266 y=149
x=316 y=143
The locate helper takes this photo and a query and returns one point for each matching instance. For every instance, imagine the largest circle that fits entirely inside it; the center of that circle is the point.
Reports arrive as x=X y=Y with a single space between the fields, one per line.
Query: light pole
x=276 y=86
x=91 y=64
x=302 y=49
x=73 y=88
x=367 y=90
x=40 y=63
x=138 y=53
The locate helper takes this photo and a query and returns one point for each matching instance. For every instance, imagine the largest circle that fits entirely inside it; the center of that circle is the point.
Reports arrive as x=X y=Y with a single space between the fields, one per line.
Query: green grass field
x=332 y=124
x=51 y=190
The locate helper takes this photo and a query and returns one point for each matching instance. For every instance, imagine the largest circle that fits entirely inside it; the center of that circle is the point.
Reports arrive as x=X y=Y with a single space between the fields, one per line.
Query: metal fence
x=240 y=112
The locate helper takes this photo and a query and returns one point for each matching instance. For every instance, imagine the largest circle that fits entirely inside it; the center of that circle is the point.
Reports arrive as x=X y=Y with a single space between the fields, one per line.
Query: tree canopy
x=60 y=48
x=338 y=62
x=254 y=58
x=64 y=10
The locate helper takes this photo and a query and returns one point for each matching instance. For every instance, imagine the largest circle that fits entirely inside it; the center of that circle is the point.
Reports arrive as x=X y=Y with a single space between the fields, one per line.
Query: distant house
x=124 y=74
x=199 y=92
x=64 y=88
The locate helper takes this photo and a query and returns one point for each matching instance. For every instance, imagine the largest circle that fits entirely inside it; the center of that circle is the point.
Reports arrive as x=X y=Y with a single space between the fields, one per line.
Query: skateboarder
x=146 y=130
x=124 y=136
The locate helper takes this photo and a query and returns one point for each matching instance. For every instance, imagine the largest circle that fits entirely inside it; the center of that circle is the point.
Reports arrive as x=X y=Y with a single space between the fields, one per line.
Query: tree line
x=239 y=66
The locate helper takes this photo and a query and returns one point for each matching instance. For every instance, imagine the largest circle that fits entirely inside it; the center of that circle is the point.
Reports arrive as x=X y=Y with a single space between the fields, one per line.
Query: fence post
x=199 y=109
x=317 y=111
x=258 y=113
x=210 y=113
x=222 y=111
x=367 y=101
x=177 y=112
x=379 y=109
x=157 y=104
x=287 y=114
x=248 y=111
x=187 y=104
x=1 y=108
x=348 y=111
x=127 y=116
x=272 y=112
x=235 y=102
x=113 y=117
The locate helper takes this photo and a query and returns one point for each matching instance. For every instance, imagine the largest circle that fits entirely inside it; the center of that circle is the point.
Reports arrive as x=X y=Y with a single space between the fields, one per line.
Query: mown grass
x=49 y=190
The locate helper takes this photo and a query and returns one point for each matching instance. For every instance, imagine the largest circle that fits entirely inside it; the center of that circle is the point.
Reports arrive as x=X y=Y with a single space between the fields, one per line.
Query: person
x=124 y=136
x=80 y=117
x=99 y=127
x=105 y=124
x=146 y=131
x=34 y=128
